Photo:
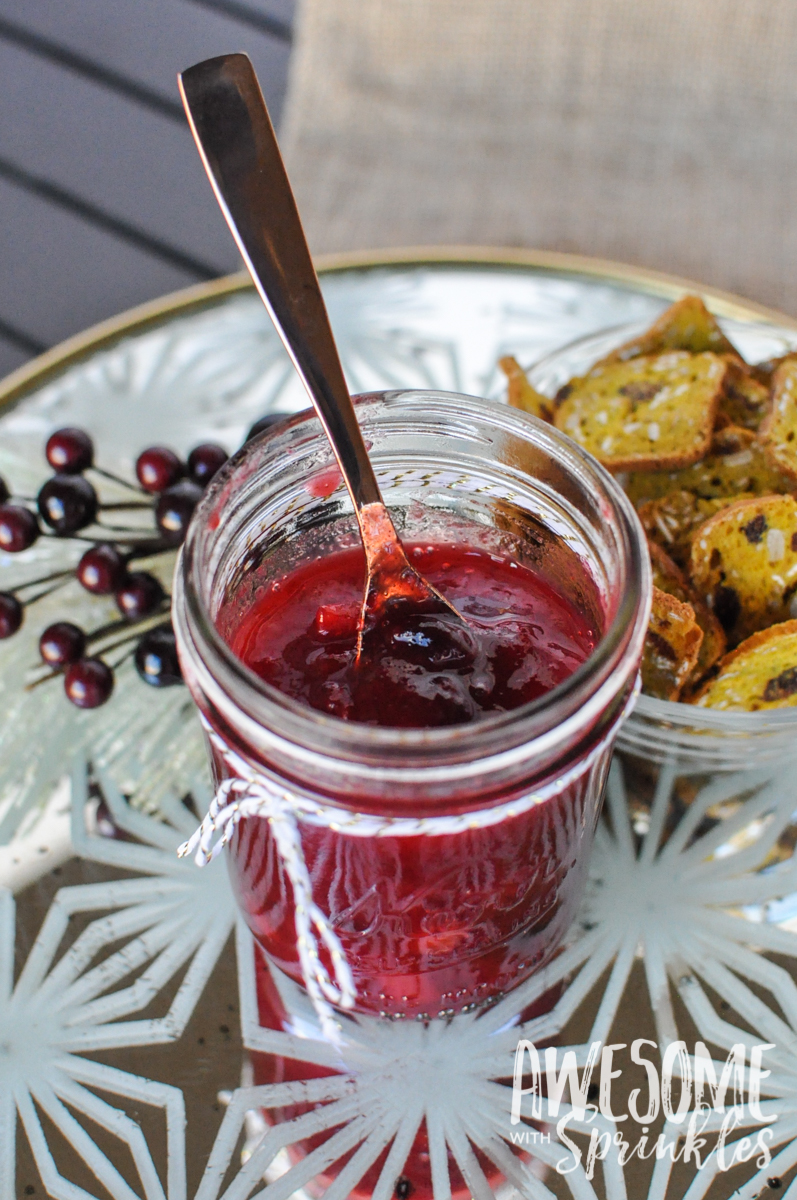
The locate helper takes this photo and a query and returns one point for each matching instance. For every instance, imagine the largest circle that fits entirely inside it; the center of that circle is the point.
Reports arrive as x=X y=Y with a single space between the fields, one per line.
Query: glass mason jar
x=474 y=873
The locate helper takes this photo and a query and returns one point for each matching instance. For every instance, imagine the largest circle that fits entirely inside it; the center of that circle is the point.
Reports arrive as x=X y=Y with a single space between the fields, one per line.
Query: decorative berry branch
x=69 y=507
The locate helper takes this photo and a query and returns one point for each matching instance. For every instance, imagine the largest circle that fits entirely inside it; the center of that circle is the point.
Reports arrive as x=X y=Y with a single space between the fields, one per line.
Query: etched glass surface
x=208 y=376
x=686 y=930
x=107 y=1085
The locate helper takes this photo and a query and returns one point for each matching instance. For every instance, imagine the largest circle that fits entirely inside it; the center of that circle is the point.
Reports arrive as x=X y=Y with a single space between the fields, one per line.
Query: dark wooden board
x=60 y=273
x=103 y=201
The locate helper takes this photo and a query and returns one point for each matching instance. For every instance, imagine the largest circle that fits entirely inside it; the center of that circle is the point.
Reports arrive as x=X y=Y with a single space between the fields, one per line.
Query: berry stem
x=124 y=505
x=131 y=628
x=46 y=592
x=125 y=483
x=92 y=540
x=99 y=645
x=117 y=662
x=117 y=528
x=21 y=587
x=147 y=550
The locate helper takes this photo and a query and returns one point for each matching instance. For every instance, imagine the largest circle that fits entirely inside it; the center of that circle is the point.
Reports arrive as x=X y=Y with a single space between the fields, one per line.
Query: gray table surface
x=103 y=200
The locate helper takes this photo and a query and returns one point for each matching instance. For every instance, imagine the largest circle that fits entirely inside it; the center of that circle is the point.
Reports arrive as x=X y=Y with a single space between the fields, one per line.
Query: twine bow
x=254 y=796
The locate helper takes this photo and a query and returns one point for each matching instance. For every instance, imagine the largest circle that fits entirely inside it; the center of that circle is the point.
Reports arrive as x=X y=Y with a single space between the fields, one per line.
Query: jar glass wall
x=480 y=891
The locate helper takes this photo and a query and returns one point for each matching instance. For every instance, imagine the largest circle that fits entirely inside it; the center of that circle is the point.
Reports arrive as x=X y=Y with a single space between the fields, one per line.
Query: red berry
x=336 y=620
x=158 y=468
x=139 y=595
x=175 y=509
x=88 y=683
x=69 y=450
x=102 y=569
x=61 y=644
x=18 y=528
x=105 y=825
x=156 y=658
x=204 y=461
x=266 y=423
x=67 y=503
x=11 y=613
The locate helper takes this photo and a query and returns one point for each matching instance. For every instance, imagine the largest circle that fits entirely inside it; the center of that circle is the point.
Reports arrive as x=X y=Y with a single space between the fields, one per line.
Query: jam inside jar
x=503 y=779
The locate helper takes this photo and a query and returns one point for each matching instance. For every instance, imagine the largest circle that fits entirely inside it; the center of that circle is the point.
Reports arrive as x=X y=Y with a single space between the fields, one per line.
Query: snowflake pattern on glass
x=208 y=375
x=168 y=920
x=696 y=897
x=692 y=882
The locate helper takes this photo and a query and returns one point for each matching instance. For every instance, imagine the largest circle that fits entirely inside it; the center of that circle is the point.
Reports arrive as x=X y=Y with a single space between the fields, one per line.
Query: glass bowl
x=726 y=759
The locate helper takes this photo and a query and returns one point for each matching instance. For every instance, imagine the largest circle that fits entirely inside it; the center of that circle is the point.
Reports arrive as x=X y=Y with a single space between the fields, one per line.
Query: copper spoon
x=235 y=137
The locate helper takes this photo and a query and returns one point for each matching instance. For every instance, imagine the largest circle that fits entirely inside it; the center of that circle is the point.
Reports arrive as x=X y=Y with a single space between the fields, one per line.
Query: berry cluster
x=68 y=506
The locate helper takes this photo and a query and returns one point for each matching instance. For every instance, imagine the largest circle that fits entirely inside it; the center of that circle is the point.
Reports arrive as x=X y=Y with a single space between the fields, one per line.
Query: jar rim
x=592 y=678
x=716 y=719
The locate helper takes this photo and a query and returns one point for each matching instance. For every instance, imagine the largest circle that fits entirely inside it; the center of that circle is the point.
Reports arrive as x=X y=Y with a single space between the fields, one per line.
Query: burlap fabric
x=656 y=132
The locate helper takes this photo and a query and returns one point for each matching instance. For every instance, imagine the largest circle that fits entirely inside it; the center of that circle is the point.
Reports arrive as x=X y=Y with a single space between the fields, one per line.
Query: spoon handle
x=235 y=137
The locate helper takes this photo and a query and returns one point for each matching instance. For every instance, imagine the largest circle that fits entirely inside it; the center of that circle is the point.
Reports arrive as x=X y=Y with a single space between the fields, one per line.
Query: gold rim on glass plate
x=193 y=299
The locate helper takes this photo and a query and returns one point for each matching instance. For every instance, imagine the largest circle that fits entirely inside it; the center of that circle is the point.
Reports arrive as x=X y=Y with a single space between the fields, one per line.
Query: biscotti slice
x=652 y=413
x=737 y=464
x=673 y=521
x=761 y=673
x=520 y=393
x=668 y=577
x=744 y=564
x=686 y=325
x=672 y=645
x=745 y=401
x=765 y=371
x=778 y=432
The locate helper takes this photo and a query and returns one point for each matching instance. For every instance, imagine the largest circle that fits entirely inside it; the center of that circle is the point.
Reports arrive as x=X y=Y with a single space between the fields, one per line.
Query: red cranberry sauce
x=430 y=925
x=521 y=639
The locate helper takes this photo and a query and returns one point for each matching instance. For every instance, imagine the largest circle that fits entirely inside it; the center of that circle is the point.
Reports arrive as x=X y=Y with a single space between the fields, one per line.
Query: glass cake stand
x=128 y=1017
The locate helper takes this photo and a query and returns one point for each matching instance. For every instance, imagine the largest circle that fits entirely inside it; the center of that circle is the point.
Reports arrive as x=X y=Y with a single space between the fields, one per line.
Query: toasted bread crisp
x=673 y=521
x=745 y=401
x=705 y=446
x=737 y=465
x=778 y=432
x=667 y=575
x=759 y=674
x=686 y=325
x=520 y=393
x=669 y=578
x=764 y=371
x=651 y=413
x=672 y=645
x=744 y=564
